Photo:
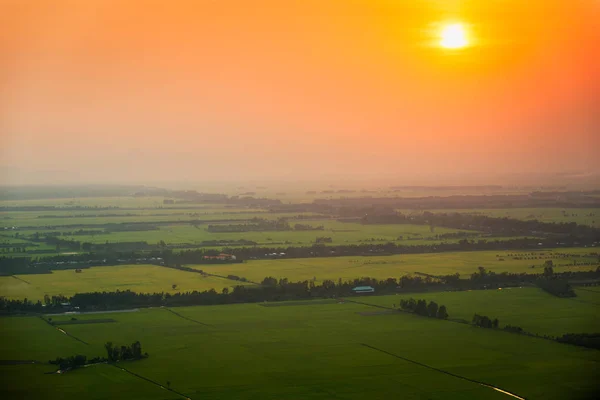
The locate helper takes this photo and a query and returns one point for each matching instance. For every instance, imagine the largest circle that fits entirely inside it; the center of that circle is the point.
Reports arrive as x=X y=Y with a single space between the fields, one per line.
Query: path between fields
x=445 y=372
x=63 y=331
x=189 y=319
x=151 y=381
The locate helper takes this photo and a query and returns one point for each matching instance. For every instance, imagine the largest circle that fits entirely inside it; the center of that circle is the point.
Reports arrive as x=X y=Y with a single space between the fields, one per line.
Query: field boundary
x=63 y=331
x=444 y=372
x=22 y=280
x=186 y=318
x=151 y=381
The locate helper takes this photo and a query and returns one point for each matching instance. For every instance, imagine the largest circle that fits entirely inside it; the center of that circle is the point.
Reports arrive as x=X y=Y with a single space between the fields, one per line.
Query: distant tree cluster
x=484 y=321
x=420 y=307
x=513 y=329
x=121 y=353
x=78 y=361
x=255 y=225
x=556 y=286
x=590 y=340
x=114 y=353
x=70 y=362
x=306 y=227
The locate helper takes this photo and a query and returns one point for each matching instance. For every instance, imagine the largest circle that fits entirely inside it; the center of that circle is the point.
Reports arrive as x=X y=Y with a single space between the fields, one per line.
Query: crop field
x=137 y=278
x=32 y=220
x=530 y=308
x=464 y=263
x=319 y=351
x=584 y=216
x=340 y=233
x=152 y=278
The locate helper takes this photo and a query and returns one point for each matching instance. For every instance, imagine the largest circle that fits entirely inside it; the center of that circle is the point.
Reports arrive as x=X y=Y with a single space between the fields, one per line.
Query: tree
x=174 y=286
x=442 y=312
x=109 y=351
x=269 y=281
x=225 y=290
x=495 y=323
x=421 y=308
x=432 y=309
x=136 y=349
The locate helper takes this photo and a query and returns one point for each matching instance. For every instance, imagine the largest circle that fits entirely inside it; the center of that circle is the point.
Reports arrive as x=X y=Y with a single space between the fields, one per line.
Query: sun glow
x=453 y=36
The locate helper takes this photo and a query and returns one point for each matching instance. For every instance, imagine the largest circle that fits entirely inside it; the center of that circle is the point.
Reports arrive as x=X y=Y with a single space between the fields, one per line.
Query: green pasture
x=137 y=278
x=530 y=308
x=464 y=263
x=303 y=352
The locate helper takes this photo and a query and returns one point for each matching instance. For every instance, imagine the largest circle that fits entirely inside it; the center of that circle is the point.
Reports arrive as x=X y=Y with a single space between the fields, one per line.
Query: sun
x=453 y=36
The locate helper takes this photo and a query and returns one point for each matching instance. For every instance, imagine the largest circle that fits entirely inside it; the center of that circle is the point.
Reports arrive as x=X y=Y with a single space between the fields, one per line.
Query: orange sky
x=147 y=91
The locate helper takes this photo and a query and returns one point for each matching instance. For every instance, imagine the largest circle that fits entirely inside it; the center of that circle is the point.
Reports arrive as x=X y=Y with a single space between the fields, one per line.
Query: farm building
x=363 y=289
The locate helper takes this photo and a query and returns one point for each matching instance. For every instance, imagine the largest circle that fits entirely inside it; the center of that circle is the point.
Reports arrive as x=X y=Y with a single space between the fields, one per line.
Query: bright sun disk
x=453 y=36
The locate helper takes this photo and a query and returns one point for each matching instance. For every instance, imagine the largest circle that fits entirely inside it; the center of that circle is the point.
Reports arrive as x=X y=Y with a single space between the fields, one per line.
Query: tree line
x=272 y=289
x=114 y=353
x=500 y=226
x=420 y=307
x=483 y=321
x=123 y=253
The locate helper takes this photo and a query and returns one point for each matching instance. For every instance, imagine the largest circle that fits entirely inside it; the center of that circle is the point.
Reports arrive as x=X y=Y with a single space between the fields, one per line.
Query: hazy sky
x=146 y=91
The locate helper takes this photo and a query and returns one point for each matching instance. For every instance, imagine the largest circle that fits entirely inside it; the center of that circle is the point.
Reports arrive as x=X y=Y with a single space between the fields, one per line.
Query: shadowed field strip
x=299 y=303
x=85 y=321
x=374 y=313
x=445 y=372
x=63 y=331
x=19 y=362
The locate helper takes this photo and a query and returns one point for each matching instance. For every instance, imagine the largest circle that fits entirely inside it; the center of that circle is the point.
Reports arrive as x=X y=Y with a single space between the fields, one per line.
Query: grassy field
x=464 y=263
x=314 y=351
x=530 y=308
x=138 y=278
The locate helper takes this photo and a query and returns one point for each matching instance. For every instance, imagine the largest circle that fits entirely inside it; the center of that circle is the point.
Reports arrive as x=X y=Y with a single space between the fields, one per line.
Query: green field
x=530 y=308
x=312 y=351
x=464 y=263
x=137 y=278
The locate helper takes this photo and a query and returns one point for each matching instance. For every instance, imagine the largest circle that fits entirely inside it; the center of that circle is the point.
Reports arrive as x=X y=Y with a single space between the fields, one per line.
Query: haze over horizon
x=139 y=92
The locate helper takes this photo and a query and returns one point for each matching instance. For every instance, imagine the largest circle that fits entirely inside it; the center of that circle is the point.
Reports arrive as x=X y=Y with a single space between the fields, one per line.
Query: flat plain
x=382 y=267
x=319 y=351
x=137 y=278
